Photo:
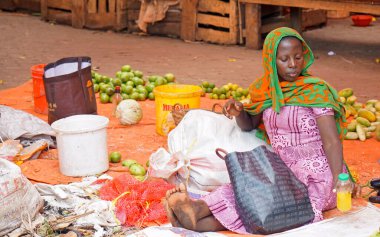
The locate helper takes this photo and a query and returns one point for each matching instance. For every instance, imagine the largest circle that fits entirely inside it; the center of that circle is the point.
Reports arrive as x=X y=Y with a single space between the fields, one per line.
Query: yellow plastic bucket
x=174 y=97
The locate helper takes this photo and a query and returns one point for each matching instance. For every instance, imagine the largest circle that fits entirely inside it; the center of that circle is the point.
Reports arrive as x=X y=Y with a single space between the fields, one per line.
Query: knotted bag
x=269 y=197
x=69 y=88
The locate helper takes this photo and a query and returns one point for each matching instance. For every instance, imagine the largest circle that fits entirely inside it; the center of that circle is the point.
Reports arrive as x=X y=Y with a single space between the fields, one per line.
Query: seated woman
x=303 y=120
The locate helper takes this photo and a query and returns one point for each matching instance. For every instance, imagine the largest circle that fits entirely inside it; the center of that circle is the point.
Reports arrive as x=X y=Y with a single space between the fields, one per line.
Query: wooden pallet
x=93 y=14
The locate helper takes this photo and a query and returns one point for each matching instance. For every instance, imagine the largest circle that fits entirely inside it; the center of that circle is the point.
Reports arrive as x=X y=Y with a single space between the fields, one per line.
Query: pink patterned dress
x=294 y=135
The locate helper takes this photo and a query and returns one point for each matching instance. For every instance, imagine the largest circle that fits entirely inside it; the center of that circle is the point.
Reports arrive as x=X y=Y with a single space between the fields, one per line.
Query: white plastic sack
x=16 y=124
x=19 y=199
x=192 y=145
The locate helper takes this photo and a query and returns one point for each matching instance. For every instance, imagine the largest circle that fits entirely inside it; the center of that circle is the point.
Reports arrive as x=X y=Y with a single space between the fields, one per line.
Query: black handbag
x=69 y=88
x=269 y=197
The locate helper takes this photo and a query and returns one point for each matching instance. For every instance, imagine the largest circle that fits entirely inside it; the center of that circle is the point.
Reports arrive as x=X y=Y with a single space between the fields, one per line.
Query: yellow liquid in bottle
x=343 y=201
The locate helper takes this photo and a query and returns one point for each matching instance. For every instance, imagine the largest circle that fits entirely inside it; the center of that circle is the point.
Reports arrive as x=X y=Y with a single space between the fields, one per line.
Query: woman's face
x=289 y=59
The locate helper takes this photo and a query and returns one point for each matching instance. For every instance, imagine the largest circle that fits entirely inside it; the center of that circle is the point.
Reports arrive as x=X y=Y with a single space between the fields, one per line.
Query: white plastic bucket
x=82 y=144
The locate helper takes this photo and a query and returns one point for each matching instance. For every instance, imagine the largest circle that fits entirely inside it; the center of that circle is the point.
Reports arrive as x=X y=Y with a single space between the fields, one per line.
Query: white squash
x=129 y=112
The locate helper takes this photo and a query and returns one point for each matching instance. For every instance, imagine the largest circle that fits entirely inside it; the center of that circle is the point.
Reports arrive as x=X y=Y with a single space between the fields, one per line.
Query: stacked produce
x=224 y=92
x=132 y=84
x=366 y=117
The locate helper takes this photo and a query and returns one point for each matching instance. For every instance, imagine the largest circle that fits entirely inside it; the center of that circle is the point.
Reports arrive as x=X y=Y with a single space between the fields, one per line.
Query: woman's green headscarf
x=267 y=91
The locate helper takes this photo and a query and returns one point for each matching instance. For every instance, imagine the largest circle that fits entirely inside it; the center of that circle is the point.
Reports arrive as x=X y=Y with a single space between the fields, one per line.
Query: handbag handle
x=214 y=108
x=218 y=152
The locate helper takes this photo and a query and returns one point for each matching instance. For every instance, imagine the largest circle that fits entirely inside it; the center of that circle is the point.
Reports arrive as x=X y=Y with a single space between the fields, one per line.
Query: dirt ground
x=26 y=41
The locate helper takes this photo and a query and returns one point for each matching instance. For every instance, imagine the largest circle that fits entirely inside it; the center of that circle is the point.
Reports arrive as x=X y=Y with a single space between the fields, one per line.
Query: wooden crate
x=69 y=12
x=133 y=11
x=93 y=14
x=217 y=21
x=312 y=18
x=309 y=18
x=8 y=5
x=106 y=14
x=13 y=5
x=169 y=26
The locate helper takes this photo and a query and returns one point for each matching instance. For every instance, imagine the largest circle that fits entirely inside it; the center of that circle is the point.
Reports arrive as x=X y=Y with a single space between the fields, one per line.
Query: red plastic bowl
x=361 y=20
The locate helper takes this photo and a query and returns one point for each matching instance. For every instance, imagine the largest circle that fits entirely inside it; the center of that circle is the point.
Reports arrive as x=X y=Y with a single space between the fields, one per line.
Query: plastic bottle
x=116 y=99
x=343 y=193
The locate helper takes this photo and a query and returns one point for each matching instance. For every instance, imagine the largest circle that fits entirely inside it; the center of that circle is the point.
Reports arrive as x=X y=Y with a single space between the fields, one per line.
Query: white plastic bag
x=191 y=157
x=17 y=123
x=19 y=199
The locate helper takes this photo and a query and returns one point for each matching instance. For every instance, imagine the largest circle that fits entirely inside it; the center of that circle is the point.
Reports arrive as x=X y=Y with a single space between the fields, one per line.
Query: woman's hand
x=232 y=108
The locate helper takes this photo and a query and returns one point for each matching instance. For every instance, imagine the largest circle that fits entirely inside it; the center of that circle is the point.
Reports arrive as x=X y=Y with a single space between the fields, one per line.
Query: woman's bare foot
x=170 y=214
x=183 y=207
x=191 y=214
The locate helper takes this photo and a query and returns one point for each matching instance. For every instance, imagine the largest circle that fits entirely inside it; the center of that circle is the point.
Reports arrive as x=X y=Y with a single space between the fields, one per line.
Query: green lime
x=169 y=77
x=215 y=96
x=114 y=157
x=96 y=88
x=126 y=68
x=128 y=89
x=128 y=162
x=216 y=90
x=124 y=96
x=142 y=97
x=212 y=85
x=205 y=84
x=106 y=79
x=149 y=87
x=116 y=82
x=137 y=169
x=98 y=77
x=141 y=90
x=134 y=96
x=135 y=81
x=140 y=82
x=138 y=74
x=130 y=83
x=118 y=74
x=159 y=81
x=104 y=98
x=152 y=78
x=245 y=92
x=110 y=90
x=103 y=87
x=151 y=96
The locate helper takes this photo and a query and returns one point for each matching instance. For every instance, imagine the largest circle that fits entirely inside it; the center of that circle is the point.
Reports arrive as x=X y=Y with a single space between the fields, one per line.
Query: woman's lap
x=314 y=172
